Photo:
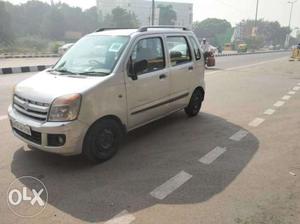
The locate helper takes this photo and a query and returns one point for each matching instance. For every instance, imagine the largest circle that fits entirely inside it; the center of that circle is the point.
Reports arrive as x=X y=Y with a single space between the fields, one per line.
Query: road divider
x=171 y=185
x=24 y=69
x=249 y=53
x=9 y=56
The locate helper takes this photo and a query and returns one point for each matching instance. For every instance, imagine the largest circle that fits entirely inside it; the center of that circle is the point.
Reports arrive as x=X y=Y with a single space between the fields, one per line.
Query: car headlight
x=65 y=108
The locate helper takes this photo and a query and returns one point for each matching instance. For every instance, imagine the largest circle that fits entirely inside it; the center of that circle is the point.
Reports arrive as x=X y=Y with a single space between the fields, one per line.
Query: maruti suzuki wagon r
x=110 y=82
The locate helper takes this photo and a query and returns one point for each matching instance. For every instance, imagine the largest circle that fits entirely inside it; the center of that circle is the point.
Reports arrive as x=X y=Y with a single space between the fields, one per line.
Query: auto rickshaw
x=296 y=53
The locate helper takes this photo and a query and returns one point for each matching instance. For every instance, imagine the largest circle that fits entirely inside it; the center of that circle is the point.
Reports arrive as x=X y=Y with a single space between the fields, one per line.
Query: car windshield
x=92 y=56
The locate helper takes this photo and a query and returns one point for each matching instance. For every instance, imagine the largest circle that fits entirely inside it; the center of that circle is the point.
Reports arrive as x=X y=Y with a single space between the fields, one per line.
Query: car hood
x=45 y=87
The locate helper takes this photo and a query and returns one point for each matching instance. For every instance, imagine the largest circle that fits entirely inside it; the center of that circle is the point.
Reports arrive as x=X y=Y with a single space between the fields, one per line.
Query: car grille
x=32 y=109
x=36 y=137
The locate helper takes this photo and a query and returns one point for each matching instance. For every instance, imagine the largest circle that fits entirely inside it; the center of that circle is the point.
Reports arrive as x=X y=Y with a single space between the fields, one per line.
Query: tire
x=195 y=103
x=102 y=140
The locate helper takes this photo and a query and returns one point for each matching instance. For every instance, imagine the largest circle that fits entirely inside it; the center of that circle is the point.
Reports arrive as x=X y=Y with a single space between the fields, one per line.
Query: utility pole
x=256 y=13
x=287 y=40
x=255 y=21
x=153 y=13
x=292 y=6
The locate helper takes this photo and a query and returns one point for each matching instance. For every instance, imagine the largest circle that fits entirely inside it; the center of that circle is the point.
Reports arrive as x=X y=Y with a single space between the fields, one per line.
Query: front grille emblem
x=26 y=105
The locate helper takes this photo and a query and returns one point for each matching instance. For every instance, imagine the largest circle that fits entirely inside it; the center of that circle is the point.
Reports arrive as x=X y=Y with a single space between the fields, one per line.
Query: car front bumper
x=74 y=132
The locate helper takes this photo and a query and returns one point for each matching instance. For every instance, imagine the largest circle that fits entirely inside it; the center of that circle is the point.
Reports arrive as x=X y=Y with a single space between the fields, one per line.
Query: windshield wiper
x=93 y=73
x=65 y=71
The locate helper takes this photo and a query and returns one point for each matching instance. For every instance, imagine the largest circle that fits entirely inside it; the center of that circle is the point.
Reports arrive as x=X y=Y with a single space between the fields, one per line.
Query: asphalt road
x=238 y=162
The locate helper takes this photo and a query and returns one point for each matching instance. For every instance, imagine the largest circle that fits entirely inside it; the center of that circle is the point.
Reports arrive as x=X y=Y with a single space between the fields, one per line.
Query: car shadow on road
x=150 y=156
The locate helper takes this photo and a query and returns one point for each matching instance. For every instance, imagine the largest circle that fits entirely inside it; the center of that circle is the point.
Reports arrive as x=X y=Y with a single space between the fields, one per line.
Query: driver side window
x=150 y=52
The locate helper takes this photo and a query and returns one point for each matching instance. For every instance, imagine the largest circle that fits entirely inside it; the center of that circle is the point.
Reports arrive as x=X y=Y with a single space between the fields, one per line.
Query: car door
x=148 y=95
x=181 y=70
x=199 y=67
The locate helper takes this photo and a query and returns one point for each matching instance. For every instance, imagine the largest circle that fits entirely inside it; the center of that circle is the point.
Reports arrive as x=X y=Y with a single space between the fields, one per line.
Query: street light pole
x=153 y=12
x=255 y=21
x=292 y=6
x=256 y=13
x=287 y=40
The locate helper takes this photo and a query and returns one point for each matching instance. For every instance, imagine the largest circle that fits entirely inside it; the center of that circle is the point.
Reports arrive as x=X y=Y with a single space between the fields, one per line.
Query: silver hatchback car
x=110 y=82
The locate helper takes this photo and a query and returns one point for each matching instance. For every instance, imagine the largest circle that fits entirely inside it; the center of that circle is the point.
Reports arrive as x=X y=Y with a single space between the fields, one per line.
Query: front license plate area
x=21 y=127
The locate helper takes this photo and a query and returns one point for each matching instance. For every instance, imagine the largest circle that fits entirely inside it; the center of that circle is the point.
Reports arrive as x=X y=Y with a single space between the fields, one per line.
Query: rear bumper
x=74 y=132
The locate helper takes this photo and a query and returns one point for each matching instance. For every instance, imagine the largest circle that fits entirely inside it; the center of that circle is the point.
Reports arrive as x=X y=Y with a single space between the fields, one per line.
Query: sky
x=232 y=10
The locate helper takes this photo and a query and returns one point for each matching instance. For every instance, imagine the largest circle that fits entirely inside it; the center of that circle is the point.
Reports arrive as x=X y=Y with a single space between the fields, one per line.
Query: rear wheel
x=195 y=103
x=102 y=140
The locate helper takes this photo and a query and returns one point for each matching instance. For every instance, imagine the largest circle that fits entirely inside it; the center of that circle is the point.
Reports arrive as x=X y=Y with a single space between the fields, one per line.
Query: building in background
x=143 y=10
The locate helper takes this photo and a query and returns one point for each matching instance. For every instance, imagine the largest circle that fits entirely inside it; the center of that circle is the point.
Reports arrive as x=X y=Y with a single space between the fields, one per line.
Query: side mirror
x=140 y=66
x=137 y=68
x=175 y=54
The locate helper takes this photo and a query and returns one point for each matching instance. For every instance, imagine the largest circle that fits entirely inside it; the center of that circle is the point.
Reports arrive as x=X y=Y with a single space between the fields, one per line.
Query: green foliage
x=167 y=15
x=268 y=33
x=36 y=18
x=216 y=31
x=254 y=43
x=120 y=18
x=6 y=35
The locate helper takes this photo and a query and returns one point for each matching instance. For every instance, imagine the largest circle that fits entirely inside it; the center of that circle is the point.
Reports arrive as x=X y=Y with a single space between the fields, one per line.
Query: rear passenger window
x=179 y=50
x=150 y=50
x=196 y=48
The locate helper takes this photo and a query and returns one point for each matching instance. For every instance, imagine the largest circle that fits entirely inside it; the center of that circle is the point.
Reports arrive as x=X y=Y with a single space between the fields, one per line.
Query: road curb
x=30 y=56
x=23 y=69
x=37 y=68
x=250 y=53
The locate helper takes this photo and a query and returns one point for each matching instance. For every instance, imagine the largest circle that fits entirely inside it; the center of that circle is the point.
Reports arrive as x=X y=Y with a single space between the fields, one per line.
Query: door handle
x=163 y=76
x=191 y=68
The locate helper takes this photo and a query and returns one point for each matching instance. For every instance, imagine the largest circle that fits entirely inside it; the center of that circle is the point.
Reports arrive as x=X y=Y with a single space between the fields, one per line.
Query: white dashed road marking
x=292 y=92
x=212 y=155
x=3 y=118
x=171 y=185
x=256 y=122
x=269 y=112
x=296 y=88
x=286 y=97
x=279 y=103
x=239 y=135
x=123 y=218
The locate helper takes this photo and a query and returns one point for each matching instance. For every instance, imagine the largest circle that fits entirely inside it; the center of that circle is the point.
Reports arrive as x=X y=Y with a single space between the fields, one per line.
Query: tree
x=268 y=33
x=120 y=18
x=217 y=31
x=6 y=35
x=167 y=15
x=90 y=20
x=53 y=25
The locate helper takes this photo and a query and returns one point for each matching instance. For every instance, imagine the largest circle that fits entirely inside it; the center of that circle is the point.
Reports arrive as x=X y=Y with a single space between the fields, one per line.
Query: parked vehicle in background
x=63 y=49
x=88 y=101
x=228 y=47
x=242 y=48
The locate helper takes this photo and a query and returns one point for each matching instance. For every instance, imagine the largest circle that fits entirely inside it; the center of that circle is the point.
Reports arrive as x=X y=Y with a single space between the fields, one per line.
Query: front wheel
x=195 y=103
x=102 y=140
